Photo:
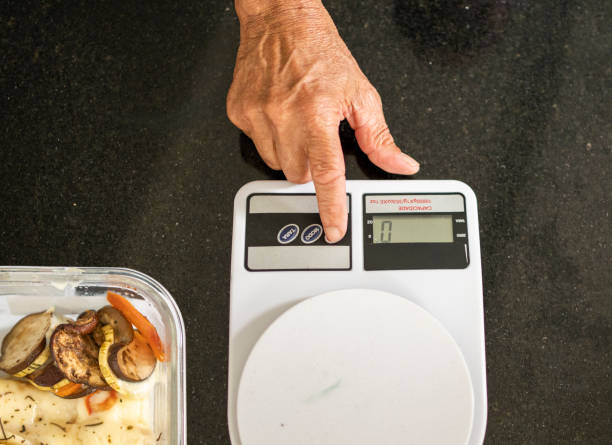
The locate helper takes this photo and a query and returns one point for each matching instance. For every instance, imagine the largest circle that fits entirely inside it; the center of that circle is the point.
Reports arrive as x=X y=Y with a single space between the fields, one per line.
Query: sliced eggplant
x=25 y=342
x=47 y=376
x=76 y=356
x=122 y=329
x=86 y=323
x=134 y=362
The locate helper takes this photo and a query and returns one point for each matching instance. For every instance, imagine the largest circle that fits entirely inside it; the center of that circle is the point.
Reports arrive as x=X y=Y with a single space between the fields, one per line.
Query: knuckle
x=236 y=114
x=319 y=110
x=326 y=164
x=369 y=98
x=273 y=165
x=327 y=174
x=295 y=167
x=249 y=112
x=232 y=100
x=269 y=159
x=241 y=110
x=271 y=108
x=375 y=96
x=297 y=177
x=233 y=112
x=381 y=137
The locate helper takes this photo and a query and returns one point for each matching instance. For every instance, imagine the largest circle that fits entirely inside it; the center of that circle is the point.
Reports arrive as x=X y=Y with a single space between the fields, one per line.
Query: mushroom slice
x=76 y=356
x=134 y=362
x=122 y=329
x=25 y=342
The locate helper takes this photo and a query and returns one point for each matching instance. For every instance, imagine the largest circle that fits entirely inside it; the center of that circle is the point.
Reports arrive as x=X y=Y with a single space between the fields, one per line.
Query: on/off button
x=288 y=233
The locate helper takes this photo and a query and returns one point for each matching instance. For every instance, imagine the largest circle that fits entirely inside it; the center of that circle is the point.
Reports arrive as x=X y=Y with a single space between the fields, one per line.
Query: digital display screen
x=412 y=229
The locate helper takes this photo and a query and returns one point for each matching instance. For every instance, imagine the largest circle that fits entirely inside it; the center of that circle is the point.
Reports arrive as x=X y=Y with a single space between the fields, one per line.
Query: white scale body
x=273 y=269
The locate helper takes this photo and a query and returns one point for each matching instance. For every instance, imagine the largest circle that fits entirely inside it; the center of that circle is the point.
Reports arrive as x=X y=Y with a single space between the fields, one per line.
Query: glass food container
x=24 y=290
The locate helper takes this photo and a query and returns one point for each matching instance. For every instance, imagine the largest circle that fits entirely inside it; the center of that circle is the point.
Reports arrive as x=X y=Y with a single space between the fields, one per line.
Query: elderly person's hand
x=294 y=82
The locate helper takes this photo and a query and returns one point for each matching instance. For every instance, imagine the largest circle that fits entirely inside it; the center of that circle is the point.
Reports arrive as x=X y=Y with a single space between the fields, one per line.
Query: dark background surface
x=115 y=151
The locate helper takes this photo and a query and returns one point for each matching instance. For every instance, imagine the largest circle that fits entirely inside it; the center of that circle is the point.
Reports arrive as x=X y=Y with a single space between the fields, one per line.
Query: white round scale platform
x=356 y=367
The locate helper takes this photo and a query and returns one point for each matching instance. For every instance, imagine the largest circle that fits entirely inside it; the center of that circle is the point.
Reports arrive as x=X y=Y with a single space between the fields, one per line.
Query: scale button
x=288 y=233
x=312 y=233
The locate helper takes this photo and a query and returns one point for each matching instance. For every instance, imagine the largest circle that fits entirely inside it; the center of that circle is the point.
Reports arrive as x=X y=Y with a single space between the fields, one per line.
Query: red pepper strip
x=140 y=322
x=94 y=406
x=68 y=390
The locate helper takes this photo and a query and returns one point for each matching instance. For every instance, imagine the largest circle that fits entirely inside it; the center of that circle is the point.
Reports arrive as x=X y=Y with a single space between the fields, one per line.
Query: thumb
x=328 y=174
x=372 y=133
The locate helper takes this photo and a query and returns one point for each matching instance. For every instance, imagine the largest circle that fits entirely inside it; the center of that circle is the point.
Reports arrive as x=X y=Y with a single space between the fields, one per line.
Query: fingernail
x=410 y=161
x=332 y=235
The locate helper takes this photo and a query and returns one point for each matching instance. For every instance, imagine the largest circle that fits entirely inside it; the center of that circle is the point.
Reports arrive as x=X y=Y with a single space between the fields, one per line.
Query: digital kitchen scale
x=377 y=339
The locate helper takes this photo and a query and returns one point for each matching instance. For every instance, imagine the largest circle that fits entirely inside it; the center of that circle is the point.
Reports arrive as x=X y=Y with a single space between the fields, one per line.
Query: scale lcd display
x=412 y=229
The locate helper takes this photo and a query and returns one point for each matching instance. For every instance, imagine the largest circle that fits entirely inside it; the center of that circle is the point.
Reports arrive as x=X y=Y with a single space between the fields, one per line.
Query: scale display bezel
x=417 y=255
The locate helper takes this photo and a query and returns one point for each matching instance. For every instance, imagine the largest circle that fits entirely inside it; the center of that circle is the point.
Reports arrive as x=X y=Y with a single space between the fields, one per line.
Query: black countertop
x=116 y=151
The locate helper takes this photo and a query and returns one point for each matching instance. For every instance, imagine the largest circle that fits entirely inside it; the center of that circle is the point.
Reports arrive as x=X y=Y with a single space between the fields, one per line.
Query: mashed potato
x=31 y=417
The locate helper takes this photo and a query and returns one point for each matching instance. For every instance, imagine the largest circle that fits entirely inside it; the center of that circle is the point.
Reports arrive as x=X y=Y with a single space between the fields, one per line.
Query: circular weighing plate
x=355 y=367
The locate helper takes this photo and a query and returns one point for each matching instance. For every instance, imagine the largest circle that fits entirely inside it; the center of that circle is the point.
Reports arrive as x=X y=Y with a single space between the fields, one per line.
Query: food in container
x=103 y=360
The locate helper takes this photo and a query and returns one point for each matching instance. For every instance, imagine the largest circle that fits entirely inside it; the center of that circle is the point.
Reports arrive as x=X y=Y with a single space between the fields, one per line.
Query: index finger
x=328 y=174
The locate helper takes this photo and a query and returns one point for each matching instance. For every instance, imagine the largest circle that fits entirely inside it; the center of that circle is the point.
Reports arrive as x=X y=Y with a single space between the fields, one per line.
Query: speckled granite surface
x=115 y=151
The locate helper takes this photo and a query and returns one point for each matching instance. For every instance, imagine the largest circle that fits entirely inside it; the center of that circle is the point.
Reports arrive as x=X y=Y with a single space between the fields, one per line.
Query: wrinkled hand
x=294 y=82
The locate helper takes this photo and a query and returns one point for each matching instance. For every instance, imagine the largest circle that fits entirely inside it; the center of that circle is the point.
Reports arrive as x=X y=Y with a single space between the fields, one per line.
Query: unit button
x=288 y=233
x=312 y=233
